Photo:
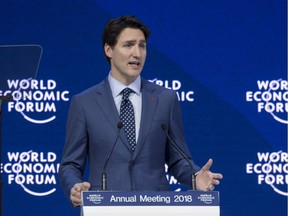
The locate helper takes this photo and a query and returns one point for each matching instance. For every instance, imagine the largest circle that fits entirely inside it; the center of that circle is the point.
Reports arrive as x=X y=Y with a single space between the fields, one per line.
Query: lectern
x=150 y=203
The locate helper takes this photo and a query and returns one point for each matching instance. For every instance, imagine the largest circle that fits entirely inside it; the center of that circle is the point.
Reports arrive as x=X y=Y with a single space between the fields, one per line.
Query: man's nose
x=136 y=52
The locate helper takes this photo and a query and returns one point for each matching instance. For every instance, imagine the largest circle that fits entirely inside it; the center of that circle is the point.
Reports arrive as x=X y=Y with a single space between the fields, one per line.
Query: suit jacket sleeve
x=177 y=165
x=75 y=150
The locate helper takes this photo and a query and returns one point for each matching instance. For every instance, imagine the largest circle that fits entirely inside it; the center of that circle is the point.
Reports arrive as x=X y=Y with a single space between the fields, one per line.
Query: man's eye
x=127 y=45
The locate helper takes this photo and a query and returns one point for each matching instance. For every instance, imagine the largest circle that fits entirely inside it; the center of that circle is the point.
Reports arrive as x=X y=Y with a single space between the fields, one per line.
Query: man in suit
x=97 y=115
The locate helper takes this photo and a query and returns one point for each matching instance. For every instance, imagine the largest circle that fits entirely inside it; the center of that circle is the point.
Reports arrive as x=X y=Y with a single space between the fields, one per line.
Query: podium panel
x=151 y=203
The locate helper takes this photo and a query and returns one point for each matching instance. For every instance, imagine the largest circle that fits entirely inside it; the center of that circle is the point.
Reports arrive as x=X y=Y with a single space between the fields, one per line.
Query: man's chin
x=134 y=73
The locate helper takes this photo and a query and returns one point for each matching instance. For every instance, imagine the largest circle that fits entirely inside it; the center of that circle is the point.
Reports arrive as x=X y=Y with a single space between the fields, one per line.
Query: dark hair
x=115 y=26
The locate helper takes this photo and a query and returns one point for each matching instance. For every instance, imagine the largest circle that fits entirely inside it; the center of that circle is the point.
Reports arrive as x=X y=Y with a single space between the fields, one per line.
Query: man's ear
x=108 y=50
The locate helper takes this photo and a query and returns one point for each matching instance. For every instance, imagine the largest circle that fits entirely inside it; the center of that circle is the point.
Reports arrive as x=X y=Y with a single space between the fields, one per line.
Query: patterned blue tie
x=127 y=117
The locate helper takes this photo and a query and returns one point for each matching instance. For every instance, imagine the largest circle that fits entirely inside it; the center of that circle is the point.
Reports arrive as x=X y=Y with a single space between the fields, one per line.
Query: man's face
x=128 y=56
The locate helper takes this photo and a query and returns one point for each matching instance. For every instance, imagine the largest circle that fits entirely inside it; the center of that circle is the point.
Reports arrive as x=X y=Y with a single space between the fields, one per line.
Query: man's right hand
x=75 y=194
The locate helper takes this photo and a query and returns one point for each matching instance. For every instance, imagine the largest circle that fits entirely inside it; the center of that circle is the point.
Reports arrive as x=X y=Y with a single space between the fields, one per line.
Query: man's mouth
x=135 y=63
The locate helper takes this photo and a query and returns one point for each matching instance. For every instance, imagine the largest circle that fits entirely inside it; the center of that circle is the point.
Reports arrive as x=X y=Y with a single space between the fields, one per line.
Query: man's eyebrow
x=134 y=41
x=129 y=41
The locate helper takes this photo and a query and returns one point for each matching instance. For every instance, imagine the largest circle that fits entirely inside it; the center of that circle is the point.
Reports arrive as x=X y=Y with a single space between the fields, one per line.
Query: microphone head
x=163 y=126
x=120 y=125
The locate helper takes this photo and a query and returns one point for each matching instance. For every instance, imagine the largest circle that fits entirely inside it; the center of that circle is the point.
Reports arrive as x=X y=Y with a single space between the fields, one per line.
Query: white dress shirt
x=135 y=98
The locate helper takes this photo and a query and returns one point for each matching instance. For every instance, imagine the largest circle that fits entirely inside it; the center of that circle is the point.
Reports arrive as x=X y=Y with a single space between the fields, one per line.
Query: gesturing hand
x=75 y=194
x=205 y=179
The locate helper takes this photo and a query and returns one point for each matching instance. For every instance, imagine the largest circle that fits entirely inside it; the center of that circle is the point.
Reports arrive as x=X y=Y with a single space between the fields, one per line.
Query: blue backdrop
x=227 y=59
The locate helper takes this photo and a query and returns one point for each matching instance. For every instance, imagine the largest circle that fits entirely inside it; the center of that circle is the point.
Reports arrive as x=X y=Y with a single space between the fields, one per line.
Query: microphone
x=193 y=185
x=104 y=175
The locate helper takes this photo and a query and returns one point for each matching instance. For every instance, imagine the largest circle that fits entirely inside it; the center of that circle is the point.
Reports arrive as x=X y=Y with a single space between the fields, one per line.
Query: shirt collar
x=117 y=87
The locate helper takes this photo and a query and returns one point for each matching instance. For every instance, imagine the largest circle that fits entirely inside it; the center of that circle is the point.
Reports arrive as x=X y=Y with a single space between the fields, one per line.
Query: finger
x=76 y=191
x=76 y=194
x=85 y=186
x=207 y=166
x=217 y=175
x=75 y=201
x=211 y=187
x=77 y=187
x=215 y=182
x=75 y=197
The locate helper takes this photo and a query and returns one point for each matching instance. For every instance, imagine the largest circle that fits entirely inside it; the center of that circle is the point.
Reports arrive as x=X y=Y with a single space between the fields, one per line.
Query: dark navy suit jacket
x=92 y=130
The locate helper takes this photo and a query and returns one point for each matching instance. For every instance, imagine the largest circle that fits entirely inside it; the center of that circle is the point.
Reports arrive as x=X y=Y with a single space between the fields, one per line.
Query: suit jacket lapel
x=108 y=107
x=149 y=104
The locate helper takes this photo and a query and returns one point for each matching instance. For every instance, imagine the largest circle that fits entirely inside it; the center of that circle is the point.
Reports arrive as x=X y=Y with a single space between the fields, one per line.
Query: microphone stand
x=104 y=175
x=193 y=177
x=2 y=99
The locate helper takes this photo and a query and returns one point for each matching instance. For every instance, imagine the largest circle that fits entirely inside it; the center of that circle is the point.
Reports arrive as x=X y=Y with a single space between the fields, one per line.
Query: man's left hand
x=205 y=179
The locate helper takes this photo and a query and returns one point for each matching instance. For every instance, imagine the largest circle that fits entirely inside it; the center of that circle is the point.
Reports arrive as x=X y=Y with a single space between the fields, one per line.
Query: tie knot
x=126 y=92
